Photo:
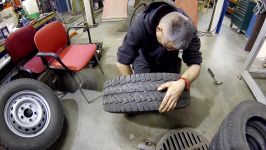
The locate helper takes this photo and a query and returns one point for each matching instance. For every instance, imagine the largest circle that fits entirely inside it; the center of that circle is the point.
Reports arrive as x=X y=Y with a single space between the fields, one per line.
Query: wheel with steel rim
x=31 y=116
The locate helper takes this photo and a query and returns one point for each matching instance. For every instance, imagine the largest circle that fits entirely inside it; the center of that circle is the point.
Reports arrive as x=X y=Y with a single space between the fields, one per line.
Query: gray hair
x=179 y=29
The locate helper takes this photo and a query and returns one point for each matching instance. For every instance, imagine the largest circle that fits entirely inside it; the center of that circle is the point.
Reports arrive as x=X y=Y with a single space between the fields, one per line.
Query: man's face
x=169 y=45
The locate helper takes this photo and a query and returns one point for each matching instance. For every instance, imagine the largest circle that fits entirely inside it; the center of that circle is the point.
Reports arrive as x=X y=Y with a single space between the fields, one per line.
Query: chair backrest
x=51 y=38
x=190 y=7
x=20 y=44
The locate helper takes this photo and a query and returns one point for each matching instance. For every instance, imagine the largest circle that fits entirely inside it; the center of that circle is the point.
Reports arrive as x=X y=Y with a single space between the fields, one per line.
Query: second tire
x=244 y=128
x=31 y=115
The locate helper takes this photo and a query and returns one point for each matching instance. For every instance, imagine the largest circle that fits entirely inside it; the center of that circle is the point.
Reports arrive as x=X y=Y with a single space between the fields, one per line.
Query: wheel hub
x=27 y=114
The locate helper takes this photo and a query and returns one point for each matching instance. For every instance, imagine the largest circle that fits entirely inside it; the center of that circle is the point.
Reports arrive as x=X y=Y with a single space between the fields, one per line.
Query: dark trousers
x=141 y=65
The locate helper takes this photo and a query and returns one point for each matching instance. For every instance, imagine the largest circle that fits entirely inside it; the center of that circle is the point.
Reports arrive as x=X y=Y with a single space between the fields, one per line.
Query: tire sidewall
x=45 y=139
x=233 y=131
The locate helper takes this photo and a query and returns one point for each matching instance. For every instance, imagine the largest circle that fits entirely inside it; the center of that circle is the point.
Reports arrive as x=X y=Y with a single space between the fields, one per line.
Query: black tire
x=69 y=83
x=216 y=142
x=138 y=93
x=244 y=128
x=48 y=131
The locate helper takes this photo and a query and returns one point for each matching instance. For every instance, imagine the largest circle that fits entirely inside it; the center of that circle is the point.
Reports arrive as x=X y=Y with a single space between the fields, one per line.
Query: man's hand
x=174 y=91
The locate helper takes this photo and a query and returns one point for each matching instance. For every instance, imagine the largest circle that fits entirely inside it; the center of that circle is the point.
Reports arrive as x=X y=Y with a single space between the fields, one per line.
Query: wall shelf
x=233 y=1
x=231 y=6
x=230 y=10
x=243 y=14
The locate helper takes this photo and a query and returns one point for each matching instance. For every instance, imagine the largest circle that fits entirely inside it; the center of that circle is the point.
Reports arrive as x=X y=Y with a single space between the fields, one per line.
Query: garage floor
x=89 y=127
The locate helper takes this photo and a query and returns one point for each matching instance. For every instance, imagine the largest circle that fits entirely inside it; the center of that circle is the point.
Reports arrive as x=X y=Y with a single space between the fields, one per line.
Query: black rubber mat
x=183 y=139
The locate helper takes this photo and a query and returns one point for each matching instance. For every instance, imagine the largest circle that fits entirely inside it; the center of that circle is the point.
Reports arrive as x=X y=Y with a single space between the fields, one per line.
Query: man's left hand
x=174 y=91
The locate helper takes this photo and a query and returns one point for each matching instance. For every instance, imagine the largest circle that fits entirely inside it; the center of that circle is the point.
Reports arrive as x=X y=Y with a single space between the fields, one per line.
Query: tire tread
x=138 y=93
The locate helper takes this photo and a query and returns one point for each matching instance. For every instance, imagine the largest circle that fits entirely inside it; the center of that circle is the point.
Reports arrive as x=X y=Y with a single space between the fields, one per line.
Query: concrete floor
x=89 y=127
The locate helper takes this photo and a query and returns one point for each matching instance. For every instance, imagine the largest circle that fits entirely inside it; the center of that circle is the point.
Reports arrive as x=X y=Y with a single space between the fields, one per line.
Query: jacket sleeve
x=132 y=42
x=192 y=54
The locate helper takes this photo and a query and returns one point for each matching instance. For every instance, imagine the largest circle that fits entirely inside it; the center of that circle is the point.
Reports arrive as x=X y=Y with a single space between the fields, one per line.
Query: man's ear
x=158 y=29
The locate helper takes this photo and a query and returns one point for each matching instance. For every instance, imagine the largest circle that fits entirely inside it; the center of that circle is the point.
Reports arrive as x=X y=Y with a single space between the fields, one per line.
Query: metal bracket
x=245 y=72
x=260 y=7
x=254 y=87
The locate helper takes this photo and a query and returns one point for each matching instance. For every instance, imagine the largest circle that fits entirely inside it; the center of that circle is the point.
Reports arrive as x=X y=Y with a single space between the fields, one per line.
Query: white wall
x=30 y=6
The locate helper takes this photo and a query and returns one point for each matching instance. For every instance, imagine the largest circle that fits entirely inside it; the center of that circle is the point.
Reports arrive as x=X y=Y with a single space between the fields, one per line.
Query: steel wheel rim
x=27 y=114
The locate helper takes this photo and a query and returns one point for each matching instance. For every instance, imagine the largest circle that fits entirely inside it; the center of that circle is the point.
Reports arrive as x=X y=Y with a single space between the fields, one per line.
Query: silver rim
x=27 y=114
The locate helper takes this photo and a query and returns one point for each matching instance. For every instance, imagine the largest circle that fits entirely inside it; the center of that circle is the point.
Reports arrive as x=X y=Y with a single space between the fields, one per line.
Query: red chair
x=56 y=52
x=21 y=48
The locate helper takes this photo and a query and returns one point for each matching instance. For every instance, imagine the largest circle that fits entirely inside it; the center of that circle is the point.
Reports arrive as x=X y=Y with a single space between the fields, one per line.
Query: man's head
x=175 y=31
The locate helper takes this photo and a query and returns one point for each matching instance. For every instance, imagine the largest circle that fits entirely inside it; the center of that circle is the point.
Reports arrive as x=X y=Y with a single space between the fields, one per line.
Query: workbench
x=44 y=19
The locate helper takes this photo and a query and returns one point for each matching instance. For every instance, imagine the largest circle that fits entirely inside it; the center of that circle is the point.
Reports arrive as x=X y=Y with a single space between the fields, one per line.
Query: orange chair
x=57 y=53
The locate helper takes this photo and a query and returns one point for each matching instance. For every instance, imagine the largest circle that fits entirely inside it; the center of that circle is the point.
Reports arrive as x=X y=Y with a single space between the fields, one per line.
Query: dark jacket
x=141 y=45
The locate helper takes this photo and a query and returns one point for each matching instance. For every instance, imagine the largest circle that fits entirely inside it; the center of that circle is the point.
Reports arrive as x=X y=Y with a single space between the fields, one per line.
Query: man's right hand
x=124 y=69
x=174 y=91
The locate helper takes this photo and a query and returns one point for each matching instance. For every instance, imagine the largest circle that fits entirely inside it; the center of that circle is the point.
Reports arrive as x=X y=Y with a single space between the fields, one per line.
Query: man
x=152 y=44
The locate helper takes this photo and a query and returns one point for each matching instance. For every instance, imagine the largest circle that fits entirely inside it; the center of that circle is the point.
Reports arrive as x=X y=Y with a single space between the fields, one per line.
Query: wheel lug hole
x=14 y=122
x=22 y=108
x=26 y=130
x=21 y=117
x=11 y=116
x=30 y=120
x=33 y=129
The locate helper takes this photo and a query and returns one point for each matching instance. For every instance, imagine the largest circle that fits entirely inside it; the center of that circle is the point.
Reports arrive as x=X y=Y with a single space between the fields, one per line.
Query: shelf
x=230 y=10
x=233 y=1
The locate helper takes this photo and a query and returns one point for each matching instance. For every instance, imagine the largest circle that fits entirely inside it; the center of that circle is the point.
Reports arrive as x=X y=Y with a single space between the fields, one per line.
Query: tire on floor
x=244 y=128
x=138 y=93
x=31 y=116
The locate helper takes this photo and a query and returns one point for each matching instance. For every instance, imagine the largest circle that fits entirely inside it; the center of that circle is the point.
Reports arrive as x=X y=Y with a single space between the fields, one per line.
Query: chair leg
x=82 y=93
x=96 y=57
